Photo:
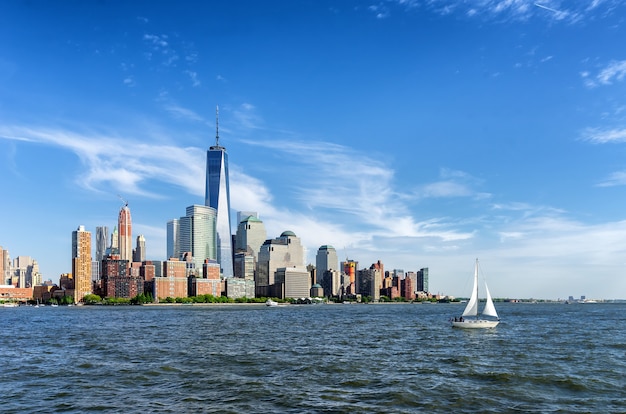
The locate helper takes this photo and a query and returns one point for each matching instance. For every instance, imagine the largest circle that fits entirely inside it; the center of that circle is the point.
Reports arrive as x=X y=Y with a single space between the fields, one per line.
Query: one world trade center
x=217 y=195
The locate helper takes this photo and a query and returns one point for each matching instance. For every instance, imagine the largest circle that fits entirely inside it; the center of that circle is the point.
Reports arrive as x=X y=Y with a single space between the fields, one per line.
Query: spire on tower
x=217 y=129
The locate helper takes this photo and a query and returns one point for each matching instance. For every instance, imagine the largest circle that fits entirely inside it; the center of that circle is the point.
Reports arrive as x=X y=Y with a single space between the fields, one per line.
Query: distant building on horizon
x=139 y=253
x=81 y=263
x=217 y=196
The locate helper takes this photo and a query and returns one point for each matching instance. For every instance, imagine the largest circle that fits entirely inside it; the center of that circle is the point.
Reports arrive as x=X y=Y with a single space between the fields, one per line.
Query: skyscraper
x=173 y=238
x=102 y=235
x=326 y=259
x=81 y=263
x=196 y=234
x=217 y=195
x=139 y=254
x=125 y=236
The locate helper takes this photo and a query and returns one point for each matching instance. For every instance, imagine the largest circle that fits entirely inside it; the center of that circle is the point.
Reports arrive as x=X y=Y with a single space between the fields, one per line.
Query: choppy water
x=312 y=359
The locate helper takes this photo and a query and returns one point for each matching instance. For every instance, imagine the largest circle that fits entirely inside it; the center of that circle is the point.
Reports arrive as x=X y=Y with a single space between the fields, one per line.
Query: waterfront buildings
x=349 y=268
x=81 y=263
x=217 y=196
x=125 y=234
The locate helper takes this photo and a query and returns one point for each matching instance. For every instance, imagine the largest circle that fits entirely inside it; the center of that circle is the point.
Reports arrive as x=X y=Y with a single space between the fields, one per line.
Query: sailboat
x=470 y=318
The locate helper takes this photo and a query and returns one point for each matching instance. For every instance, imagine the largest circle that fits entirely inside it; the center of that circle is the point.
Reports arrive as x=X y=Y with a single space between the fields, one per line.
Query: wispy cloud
x=452 y=183
x=120 y=162
x=615 y=179
x=503 y=10
x=615 y=71
x=194 y=78
x=354 y=185
x=603 y=136
x=129 y=81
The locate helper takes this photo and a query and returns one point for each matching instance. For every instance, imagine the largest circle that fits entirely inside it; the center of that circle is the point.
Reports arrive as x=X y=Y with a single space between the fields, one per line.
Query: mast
x=217 y=128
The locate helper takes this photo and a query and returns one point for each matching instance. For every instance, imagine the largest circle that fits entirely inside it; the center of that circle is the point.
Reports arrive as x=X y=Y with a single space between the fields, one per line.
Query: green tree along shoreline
x=143 y=298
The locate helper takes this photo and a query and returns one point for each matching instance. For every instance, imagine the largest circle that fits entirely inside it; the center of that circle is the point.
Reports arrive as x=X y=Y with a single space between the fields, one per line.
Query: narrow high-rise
x=217 y=195
x=102 y=235
x=125 y=235
x=325 y=260
x=81 y=263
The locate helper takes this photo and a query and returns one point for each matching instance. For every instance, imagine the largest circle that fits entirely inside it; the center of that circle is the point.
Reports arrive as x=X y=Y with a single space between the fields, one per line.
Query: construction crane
x=123 y=201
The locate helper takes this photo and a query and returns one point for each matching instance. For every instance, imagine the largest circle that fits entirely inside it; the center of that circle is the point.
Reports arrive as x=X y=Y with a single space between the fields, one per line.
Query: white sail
x=489 y=310
x=472 y=305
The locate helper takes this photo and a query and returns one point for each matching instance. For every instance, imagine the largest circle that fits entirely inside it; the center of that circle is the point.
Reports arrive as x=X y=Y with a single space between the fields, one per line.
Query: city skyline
x=420 y=134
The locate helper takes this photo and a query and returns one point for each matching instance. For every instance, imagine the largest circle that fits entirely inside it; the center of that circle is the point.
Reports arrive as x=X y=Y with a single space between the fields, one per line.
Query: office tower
x=250 y=235
x=217 y=195
x=102 y=235
x=139 y=254
x=196 y=234
x=173 y=236
x=125 y=235
x=284 y=251
x=326 y=259
x=81 y=263
x=422 y=280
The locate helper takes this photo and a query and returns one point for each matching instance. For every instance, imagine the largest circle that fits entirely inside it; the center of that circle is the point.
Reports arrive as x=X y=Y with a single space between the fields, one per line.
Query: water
x=401 y=358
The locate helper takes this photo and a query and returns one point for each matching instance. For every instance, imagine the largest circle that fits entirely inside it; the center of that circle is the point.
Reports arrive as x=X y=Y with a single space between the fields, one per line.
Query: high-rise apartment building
x=217 y=195
x=5 y=266
x=102 y=238
x=81 y=263
x=196 y=234
x=125 y=234
x=326 y=259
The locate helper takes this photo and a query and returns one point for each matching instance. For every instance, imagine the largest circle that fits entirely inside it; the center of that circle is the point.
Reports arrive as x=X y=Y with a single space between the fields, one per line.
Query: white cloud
x=614 y=71
x=182 y=113
x=603 y=136
x=615 y=179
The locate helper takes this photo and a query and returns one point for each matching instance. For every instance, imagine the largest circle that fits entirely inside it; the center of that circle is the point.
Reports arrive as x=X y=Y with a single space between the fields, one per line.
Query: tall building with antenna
x=125 y=234
x=217 y=195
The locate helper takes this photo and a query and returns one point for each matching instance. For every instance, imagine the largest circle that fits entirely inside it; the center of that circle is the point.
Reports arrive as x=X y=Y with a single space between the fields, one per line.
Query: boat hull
x=475 y=324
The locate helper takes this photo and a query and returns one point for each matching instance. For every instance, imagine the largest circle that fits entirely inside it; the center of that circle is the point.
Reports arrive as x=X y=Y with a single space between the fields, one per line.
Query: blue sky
x=421 y=133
